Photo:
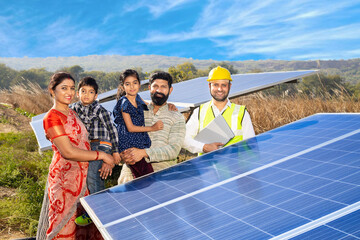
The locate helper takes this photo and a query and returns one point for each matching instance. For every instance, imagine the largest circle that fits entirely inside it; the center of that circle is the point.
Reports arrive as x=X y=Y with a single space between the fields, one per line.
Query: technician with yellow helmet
x=235 y=115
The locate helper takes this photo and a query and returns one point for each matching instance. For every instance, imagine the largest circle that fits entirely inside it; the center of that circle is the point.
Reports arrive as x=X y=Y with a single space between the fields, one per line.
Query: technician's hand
x=212 y=147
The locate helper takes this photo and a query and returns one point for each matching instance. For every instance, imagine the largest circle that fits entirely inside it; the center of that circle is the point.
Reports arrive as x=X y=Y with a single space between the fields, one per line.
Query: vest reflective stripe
x=232 y=115
x=202 y=113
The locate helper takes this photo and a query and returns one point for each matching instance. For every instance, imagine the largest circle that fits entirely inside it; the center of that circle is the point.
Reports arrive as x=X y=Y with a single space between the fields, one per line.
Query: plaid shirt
x=97 y=122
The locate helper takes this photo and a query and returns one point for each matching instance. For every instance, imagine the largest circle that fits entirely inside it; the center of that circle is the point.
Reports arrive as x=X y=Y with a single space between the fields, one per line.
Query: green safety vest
x=233 y=116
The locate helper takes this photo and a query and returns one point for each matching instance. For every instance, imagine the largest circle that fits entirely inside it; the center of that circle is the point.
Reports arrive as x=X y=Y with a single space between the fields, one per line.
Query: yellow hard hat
x=219 y=73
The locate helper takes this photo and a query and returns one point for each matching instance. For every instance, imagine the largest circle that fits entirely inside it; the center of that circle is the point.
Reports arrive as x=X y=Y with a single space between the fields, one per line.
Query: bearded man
x=166 y=143
x=236 y=116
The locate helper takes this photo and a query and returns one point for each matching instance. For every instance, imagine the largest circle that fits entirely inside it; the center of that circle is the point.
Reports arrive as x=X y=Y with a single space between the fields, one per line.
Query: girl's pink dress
x=66 y=180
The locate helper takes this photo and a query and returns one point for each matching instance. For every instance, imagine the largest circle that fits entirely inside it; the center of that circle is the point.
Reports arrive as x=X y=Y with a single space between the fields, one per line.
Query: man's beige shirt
x=165 y=144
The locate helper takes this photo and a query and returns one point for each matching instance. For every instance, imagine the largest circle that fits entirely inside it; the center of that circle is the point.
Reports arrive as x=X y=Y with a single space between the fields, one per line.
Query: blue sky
x=198 y=29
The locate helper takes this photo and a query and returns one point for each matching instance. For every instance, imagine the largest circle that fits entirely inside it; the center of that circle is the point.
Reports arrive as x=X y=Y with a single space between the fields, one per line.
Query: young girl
x=129 y=120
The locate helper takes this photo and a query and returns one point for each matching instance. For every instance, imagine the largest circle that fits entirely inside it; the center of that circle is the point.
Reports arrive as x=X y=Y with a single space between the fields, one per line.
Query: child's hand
x=117 y=158
x=158 y=126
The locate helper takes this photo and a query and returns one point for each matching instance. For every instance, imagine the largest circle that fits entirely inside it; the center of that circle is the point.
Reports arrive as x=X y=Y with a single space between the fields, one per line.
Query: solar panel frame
x=258 y=170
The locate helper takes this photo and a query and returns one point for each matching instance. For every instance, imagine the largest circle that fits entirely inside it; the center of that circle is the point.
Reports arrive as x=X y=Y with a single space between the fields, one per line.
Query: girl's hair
x=58 y=78
x=123 y=76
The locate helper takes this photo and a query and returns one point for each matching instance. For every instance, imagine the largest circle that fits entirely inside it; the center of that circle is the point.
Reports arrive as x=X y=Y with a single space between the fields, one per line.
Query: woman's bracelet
x=97 y=155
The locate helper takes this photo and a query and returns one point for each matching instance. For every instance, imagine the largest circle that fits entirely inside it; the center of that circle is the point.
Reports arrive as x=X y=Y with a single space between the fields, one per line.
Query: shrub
x=24 y=169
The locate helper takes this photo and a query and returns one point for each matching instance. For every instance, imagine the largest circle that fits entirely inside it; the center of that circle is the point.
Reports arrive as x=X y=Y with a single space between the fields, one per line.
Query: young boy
x=102 y=135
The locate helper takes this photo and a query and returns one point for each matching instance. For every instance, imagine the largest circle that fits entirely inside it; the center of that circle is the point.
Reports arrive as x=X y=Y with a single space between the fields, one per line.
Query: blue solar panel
x=280 y=184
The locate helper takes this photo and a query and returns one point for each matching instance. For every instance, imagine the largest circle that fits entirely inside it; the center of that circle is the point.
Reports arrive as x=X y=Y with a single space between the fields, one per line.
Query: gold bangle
x=97 y=155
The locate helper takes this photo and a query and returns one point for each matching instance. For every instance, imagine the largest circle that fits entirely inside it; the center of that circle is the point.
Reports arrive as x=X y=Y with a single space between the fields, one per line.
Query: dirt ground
x=10 y=234
x=11 y=121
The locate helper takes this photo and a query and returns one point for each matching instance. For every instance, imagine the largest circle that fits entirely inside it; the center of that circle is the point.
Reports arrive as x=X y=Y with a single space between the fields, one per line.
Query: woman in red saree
x=68 y=170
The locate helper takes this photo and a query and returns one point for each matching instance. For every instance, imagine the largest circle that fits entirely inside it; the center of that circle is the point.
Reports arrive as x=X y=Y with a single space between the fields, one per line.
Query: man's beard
x=159 y=98
x=222 y=99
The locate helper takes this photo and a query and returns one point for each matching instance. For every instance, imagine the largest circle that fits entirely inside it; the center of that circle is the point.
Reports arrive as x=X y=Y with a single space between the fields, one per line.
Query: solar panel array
x=191 y=93
x=194 y=92
x=298 y=181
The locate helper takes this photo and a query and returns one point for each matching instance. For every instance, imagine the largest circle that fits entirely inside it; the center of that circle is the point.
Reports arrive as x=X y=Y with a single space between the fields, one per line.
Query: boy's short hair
x=88 y=81
x=161 y=75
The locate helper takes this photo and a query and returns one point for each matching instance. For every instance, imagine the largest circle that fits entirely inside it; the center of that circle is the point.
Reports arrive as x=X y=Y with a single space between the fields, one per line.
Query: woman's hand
x=107 y=158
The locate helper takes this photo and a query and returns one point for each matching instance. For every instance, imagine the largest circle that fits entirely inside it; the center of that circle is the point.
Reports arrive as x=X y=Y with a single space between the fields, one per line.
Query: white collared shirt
x=192 y=128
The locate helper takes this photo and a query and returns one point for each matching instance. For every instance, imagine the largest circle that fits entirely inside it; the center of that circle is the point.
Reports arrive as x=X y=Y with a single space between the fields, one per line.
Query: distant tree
x=184 y=71
x=111 y=80
x=255 y=70
x=106 y=81
x=226 y=65
x=202 y=73
x=283 y=89
x=6 y=76
x=142 y=75
x=321 y=84
x=39 y=76
x=75 y=71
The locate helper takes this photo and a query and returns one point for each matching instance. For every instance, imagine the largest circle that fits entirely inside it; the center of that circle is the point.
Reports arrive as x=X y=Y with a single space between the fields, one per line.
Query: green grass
x=24 y=169
x=25 y=113
x=4 y=120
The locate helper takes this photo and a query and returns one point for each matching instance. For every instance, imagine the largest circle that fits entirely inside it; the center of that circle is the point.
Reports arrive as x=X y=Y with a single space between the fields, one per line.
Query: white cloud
x=156 y=7
x=66 y=38
x=267 y=26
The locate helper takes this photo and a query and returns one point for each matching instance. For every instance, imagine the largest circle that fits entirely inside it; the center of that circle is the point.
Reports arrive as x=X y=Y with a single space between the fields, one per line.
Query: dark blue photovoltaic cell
x=346 y=227
x=257 y=189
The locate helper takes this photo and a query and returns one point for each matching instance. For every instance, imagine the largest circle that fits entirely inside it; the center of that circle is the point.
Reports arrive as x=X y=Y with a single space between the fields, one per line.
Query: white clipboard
x=216 y=131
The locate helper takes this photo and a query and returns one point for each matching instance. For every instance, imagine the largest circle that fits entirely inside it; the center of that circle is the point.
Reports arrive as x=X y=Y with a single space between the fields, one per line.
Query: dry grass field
x=267 y=112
